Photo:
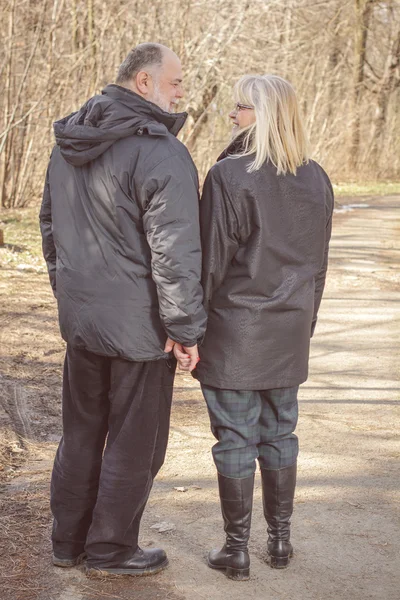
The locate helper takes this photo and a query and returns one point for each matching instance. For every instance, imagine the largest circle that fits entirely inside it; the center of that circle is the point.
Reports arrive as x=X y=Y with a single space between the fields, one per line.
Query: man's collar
x=172 y=121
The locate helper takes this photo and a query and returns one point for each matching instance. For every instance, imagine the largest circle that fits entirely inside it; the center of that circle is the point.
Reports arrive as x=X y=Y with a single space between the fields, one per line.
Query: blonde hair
x=278 y=133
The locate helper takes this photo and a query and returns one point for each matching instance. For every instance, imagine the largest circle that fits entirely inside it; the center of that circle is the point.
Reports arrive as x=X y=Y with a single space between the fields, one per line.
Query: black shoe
x=143 y=562
x=236 y=496
x=66 y=563
x=278 y=487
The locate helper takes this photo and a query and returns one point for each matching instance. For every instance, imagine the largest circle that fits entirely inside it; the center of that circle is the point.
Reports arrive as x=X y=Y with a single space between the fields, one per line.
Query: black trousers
x=99 y=488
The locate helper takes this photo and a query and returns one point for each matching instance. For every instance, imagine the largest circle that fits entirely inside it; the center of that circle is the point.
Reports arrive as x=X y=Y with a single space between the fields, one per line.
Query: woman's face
x=242 y=116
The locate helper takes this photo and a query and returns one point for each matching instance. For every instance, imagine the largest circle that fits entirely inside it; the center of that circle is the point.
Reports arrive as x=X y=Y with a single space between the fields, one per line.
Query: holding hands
x=187 y=357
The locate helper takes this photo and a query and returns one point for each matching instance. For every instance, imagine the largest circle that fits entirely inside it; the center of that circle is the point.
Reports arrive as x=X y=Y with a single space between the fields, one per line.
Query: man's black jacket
x=120 y=229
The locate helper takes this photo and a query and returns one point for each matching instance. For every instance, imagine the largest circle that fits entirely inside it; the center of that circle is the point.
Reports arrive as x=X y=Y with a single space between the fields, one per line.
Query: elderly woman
x=266 y=215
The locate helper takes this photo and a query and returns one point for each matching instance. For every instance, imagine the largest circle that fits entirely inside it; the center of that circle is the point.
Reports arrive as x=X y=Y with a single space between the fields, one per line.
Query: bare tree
x=363 y=10
x=385 y=81
x=342 y=58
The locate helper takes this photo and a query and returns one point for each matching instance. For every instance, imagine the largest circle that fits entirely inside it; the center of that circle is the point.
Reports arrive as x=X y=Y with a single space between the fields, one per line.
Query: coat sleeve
x=320 y=278
x=220 y=234
x=171 y=225
x=48 y=247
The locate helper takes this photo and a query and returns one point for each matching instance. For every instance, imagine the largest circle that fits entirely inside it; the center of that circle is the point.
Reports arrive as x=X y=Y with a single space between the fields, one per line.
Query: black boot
x=278 y=492
x=236 y=497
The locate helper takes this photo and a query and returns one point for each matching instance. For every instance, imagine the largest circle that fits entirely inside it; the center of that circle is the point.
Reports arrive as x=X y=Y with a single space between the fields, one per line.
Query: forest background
x=342 y=56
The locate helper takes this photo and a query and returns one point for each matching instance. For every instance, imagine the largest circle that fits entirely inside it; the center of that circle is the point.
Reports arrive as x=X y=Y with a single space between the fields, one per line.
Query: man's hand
x=169 y=344
x=187 y=357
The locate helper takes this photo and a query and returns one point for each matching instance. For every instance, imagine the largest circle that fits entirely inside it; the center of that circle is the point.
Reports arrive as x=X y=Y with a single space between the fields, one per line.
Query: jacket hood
x=115 y=114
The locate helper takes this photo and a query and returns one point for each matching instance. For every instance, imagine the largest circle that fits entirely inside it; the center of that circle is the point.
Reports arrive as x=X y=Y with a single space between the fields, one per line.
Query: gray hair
x=144 y=55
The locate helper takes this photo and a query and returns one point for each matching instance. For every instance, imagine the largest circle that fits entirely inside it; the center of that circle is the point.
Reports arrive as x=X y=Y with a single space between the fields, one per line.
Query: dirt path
x=346 y=522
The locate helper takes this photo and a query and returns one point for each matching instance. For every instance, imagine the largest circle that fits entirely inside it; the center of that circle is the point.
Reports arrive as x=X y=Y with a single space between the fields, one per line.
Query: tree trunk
x=386 y=87
x=363 y=9
x=5 y=156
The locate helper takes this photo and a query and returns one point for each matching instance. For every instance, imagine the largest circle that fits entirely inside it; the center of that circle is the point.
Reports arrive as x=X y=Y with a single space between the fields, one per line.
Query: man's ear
x=142 y=82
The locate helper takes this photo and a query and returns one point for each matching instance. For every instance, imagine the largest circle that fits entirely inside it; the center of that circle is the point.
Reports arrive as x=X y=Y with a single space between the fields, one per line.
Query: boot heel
x=237 y=574
x=279 y=562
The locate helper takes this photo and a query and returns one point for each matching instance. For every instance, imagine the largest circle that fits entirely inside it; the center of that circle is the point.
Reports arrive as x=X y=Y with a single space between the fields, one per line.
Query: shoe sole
x=107 y=572
x=280 y=562
x=235 y=574
x=67 y=563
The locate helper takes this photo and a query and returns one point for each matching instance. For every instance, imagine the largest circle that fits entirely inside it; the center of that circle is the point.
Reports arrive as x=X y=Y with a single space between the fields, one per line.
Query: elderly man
x=119 y=222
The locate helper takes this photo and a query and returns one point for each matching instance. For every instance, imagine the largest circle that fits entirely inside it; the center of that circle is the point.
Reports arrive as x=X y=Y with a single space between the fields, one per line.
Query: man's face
x=166 y=86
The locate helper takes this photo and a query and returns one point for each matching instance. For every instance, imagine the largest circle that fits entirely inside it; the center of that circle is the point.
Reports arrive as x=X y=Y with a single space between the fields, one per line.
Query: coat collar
x=151 y=112
x=234 y=147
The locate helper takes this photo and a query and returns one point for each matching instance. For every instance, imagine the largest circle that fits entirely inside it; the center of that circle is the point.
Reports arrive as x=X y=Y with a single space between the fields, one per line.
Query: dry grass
x=22 y=241
x=24 y=530
x=366 y=188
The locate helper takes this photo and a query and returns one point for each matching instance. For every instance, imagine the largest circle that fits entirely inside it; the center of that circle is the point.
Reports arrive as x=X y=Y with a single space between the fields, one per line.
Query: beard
x=161 y=101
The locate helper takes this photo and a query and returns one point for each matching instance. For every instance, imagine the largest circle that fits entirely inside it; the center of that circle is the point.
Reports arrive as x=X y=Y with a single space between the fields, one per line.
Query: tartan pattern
x=252 y=425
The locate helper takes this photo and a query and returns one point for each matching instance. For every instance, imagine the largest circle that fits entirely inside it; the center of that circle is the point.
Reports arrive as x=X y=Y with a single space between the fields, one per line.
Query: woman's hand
x=187 y=357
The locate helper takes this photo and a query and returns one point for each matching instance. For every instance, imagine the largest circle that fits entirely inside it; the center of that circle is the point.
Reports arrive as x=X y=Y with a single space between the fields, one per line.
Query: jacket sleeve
x=320 y=278
x=48 y=247
x=220 y=235
x=171 y=225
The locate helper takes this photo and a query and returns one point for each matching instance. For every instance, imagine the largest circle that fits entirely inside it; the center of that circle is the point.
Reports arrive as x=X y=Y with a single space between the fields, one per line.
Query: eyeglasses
x=239 y=107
